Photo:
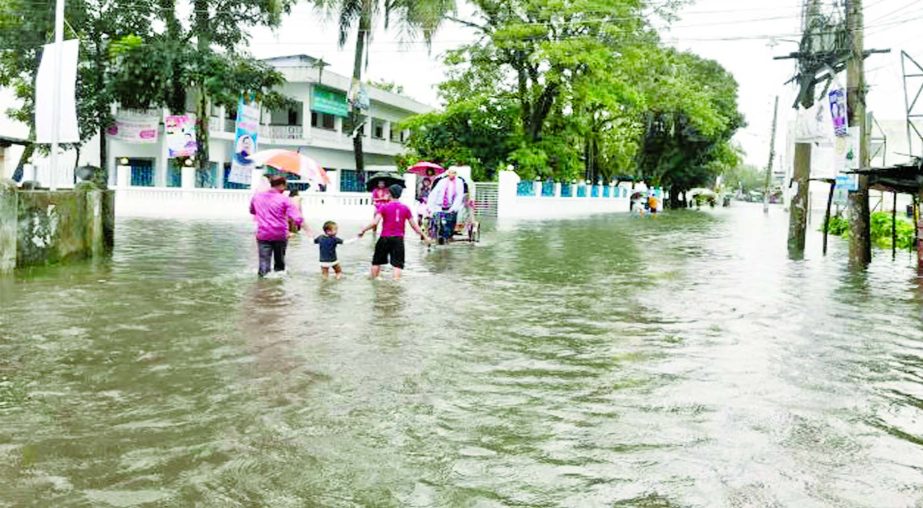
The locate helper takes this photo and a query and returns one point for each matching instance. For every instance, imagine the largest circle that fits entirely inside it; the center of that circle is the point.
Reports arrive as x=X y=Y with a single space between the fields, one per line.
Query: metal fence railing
x=486 y=197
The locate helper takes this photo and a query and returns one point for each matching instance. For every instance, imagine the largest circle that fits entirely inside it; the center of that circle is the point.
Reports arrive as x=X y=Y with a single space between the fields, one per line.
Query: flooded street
x=611 y=361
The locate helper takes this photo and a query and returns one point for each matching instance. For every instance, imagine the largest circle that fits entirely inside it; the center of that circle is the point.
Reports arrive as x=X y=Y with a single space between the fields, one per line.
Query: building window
x=323 y=121
x=142 y=172
x=352 y=181
x=378 y=128
x=293 y=117
x=174 y=174
x=207 y=178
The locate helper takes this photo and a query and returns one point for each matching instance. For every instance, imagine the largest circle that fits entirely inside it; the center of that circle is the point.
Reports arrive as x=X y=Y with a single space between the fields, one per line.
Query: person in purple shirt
x=393 y=216
x=272 y=210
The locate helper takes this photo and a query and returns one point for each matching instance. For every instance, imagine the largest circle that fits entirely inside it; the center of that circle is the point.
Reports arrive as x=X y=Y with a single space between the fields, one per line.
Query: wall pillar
x=409 y=197
x=188 y=177
x=506 y=193
x=9 y=203
x=123 y=176
x=557 y=190
x=306 y=119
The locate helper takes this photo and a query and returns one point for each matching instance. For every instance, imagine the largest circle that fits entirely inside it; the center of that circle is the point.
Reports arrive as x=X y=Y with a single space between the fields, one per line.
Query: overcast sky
x=743 y=35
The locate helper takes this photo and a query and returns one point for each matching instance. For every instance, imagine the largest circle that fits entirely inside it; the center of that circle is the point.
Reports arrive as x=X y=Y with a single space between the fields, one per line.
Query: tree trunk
x=104 y=118
x=355 y=118
x=18 y=173
x=175 y=94
x=203 y=41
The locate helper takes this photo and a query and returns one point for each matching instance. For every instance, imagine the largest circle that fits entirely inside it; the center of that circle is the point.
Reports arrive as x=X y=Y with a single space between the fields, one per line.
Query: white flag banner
x=44 y=94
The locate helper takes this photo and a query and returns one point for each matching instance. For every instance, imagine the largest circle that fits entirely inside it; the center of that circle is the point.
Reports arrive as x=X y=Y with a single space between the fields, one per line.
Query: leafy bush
x=838 y=226
x=880 y=230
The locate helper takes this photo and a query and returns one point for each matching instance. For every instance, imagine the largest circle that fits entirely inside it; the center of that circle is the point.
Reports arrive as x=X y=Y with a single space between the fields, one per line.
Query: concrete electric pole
x=56 y=100
x=860 y=243
x=801 y=178
x=772 y=156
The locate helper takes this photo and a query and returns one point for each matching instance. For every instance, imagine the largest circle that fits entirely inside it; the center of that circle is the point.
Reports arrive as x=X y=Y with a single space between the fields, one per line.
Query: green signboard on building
x=332 y=102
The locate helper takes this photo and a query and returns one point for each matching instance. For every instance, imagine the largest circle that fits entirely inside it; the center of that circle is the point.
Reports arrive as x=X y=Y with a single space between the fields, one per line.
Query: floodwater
x=612 y=361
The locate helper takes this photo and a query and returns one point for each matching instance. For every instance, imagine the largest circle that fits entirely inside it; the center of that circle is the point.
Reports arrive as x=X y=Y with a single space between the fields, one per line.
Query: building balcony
x=286 y=133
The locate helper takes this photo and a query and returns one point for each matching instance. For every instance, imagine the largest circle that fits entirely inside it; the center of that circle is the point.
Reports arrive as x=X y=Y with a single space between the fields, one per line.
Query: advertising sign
x=838 y=112
x=332 y=102
x=245 y=142
x=848 y=183
x=180 y=133
x=359 y=95
x=134 y=128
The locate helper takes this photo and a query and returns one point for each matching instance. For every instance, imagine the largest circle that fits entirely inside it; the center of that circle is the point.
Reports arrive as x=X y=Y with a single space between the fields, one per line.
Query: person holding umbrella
x=272 y=210
x=427 y=171
x=378 y=185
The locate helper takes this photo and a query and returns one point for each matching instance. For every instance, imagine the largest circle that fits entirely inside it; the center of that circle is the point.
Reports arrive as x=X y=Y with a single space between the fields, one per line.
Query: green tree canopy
x=580 y=89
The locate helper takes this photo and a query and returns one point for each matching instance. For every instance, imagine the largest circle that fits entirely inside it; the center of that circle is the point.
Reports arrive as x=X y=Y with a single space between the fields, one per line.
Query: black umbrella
x=389 y=179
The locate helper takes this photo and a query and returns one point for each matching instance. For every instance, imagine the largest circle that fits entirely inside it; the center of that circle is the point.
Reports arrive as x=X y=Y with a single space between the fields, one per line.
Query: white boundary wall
x=195 y=203
x=190 y=202
x=512 y=206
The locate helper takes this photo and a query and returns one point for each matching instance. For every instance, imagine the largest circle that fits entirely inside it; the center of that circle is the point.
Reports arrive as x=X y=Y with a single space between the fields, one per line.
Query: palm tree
x=414 y=17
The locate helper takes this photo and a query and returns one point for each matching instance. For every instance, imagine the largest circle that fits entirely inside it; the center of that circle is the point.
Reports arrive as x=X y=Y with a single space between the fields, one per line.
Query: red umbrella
x=423 y=168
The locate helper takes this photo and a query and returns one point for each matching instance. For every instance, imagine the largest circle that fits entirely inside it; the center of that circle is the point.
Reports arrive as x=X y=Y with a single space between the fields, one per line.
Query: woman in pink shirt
x=393 y=217
x=380 y=196
x=272 y=210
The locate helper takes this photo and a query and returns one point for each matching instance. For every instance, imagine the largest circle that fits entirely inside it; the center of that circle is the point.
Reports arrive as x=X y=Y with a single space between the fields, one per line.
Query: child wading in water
x=328 y=250
x=393 y=216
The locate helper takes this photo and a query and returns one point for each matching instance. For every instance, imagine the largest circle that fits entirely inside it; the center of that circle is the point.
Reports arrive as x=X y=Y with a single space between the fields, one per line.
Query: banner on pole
x=45 y=86
x=838 y=112
x=134 y=128
x=245 y=142
x=180 y=133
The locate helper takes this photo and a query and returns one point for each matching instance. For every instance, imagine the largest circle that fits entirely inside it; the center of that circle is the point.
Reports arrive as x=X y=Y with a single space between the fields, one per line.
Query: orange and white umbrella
x=292 y=162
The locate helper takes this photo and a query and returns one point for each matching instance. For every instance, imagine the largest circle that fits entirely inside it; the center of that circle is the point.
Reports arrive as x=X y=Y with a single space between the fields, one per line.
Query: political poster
x=838 y=112
x=245 y=142
x=134 y=128
x=180 y=133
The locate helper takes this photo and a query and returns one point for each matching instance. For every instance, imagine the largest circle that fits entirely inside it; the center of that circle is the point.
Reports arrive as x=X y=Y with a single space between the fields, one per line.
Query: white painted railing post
x=506 y=193
x=188 y=177
x=557 y=190
x=123 y=176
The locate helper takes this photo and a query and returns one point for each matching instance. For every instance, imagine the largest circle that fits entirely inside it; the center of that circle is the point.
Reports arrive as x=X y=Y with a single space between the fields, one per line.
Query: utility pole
x=860 y=243
x=56 y=100
x=772 y=156
x=798 y=208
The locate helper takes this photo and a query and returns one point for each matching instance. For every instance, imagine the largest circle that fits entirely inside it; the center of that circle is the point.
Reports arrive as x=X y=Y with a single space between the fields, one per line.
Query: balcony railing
x=292 y=132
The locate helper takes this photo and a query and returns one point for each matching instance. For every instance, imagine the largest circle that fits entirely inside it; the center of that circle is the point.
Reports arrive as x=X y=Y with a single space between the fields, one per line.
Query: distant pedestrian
x=272 y=209
x=328 y=243
x=380 y=196
x=652 y=203
x=393 y=217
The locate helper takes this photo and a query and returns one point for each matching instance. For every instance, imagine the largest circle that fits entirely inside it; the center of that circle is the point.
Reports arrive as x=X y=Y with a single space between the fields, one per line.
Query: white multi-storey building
x=311 y=126
x=314 y=126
